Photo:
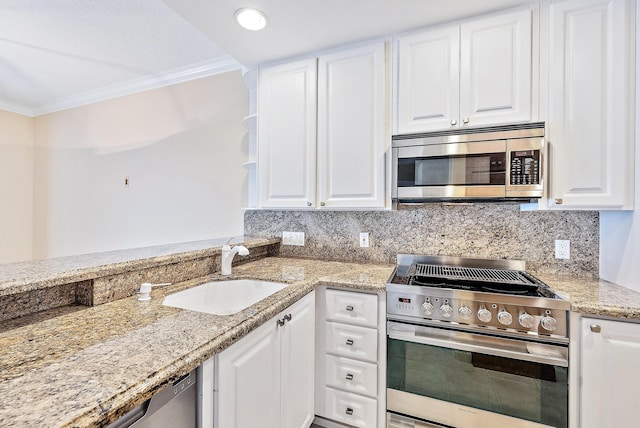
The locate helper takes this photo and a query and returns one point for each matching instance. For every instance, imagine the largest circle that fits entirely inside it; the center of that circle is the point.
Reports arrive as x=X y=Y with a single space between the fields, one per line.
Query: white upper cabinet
x=495 y=70
x=428 y=83
x=590 y=54
x=474 y=74
x=351 y=128
x=287 y=100
x=342 y=165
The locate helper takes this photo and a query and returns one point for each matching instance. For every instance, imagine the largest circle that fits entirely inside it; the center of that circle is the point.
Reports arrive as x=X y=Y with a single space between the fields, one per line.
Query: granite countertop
x=37 y=274
x=76 y=366
x=597 y=297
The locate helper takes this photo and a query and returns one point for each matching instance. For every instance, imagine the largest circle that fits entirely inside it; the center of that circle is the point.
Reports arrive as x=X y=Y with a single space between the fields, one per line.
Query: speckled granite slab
x=84 y=367
x=31 y=275
x=76 y=367
x=496 y=231
x=46 y=285
x=596 y=297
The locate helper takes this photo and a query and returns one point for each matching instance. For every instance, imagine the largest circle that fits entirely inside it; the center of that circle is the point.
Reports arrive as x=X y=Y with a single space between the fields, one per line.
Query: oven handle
x=555 y=355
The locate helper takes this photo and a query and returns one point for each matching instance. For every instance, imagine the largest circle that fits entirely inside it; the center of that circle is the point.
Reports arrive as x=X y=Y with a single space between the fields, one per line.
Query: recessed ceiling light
x=251 y=19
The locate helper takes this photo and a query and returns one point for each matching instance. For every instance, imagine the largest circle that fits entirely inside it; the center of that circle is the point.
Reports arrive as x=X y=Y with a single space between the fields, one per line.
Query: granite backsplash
x=500 y=231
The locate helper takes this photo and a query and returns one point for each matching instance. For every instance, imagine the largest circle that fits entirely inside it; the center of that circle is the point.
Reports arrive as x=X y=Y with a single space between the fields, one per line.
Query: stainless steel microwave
x=490 y=164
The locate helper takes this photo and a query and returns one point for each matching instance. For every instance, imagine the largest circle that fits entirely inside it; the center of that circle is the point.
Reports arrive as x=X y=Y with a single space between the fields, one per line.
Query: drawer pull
x=349 y=376
x=349 y=411
x=595 y=328
x=349 y=342
x=287 y=317
x=349 y=308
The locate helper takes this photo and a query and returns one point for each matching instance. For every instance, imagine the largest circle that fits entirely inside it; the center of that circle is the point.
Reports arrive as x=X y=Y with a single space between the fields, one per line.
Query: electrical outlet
x=563 y=249
x=364 y=239
x=293 y=238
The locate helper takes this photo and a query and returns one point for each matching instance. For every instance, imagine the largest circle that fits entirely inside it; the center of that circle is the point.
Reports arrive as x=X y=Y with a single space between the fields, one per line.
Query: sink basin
x=223 y=297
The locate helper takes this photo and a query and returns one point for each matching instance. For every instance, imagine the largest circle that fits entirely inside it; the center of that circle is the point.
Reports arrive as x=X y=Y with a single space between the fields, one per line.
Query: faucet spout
x=227 y=257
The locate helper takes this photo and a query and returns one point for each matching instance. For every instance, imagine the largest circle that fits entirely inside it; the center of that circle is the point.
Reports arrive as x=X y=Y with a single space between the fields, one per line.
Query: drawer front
x=351 y=307
x=352 y=409
x=352 y=375
x=352 y=341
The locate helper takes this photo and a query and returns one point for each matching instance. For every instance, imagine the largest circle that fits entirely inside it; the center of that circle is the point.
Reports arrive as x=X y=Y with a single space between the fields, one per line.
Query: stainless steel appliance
x=497 y=163
x=474 y=343
x=175 y=406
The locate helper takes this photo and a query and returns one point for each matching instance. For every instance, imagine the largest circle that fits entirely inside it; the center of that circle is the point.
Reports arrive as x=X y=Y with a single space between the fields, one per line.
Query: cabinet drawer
x=352 y=375
x=351 y=409
x=351 y=307
x=352 y=341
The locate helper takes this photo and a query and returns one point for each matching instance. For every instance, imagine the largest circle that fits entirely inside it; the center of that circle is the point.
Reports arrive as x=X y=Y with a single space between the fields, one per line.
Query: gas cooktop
x=497 y=296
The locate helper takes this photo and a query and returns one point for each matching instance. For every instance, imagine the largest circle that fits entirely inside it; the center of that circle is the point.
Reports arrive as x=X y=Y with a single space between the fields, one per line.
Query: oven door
x=454 y=170
x=467 y=380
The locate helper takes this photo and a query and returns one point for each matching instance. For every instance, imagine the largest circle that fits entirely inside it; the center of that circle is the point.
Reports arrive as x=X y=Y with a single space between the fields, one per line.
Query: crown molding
x=203 y=69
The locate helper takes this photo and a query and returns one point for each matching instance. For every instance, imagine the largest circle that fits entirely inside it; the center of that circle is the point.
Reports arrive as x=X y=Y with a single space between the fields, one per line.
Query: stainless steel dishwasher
x=175 y=406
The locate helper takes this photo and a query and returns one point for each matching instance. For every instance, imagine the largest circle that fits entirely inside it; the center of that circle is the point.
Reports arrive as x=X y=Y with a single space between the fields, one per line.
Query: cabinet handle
x=280 y=322
x=349 y=376
x=287 y=317
x=465 y=120
x=322 y=204
x=558 y=201
x=349 y=308
x=454 y=122
x=349 y=342
x=308 y=204
x=595 y=328
x=349 y=411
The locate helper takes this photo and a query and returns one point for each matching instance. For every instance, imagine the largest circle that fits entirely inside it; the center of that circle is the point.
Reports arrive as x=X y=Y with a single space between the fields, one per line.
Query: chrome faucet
x=227 y=256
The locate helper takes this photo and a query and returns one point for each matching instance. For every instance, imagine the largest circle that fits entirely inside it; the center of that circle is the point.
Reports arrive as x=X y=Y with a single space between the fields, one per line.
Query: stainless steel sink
x=223 y=297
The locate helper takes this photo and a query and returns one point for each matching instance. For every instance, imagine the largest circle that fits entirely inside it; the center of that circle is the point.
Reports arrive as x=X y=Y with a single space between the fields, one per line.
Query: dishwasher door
x=175 y=406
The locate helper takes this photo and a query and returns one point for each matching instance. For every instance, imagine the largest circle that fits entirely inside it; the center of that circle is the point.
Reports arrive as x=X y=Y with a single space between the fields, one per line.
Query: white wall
x=182 y=148
x=16 y=187
x=620 y=231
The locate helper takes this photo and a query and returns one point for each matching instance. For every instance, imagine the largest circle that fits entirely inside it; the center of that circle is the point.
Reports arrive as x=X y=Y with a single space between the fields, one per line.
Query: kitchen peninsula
x=78 y=365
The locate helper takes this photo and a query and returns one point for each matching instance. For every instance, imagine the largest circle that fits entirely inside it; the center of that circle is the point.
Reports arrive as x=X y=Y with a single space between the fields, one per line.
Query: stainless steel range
x=474 y=343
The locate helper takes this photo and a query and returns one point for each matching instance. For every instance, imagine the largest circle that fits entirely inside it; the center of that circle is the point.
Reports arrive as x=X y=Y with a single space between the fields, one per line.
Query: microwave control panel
x=525 y=167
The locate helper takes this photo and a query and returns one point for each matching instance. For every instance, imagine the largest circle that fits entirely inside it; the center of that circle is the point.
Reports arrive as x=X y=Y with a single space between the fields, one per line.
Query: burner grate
x=496 y=276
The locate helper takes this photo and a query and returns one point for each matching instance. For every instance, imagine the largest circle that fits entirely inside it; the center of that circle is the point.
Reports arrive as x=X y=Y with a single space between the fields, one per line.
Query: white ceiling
x=56 y=54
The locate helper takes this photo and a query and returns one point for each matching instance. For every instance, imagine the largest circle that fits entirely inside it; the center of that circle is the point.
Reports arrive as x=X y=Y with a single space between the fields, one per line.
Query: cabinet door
x=428 y=82
x=590 y=124
x=351 y=128
x=298 y=364
x=287 y=134
x=249 y=381
x=495 y=70
x=609 y=374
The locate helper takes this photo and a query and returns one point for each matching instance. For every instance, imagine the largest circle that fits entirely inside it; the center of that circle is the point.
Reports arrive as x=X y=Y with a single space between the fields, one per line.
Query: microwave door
x=451 y=171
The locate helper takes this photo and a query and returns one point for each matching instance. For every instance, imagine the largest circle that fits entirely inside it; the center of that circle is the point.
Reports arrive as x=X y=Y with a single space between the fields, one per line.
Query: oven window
x=466 y=170
x=521 y=389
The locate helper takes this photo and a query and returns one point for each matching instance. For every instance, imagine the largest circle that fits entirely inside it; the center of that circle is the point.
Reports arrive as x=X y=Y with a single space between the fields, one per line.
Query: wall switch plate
x=293 y=238
x=364 y=239
x=563 y=249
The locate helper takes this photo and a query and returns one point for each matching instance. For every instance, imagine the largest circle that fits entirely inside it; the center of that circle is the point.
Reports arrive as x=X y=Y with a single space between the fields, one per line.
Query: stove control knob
x=549 y=323
x=526 y=320
x=446 y=310
x=427 y=308
x=464 y=312
x=504 y=317
x=484 y=314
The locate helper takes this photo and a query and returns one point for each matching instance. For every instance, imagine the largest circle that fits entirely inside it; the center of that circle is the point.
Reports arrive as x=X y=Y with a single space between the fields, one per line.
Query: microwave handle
x=499 y=347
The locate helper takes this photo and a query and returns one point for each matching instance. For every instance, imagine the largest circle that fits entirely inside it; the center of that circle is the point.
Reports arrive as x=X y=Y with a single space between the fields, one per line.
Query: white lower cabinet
x=350 y=350
x=609 y=375
x=266 y=379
